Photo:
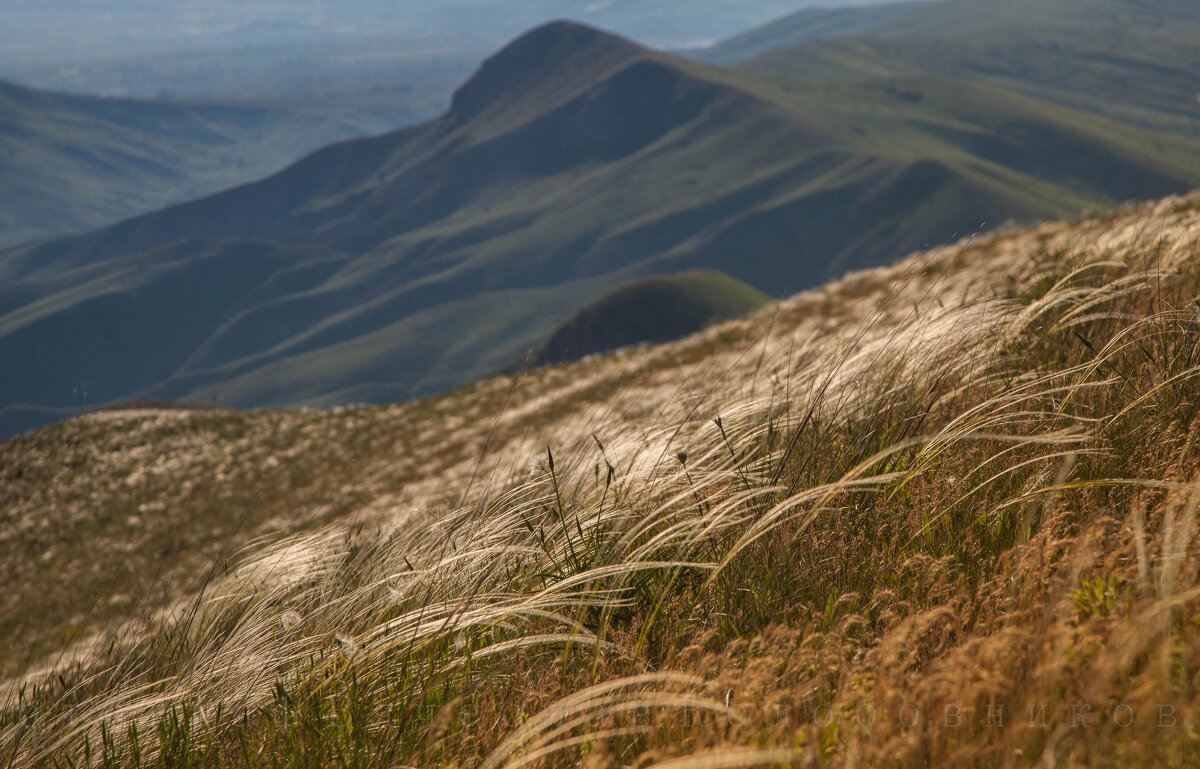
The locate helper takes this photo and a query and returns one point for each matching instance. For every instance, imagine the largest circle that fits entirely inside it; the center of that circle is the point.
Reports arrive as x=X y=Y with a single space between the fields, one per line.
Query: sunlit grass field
x=936 y=514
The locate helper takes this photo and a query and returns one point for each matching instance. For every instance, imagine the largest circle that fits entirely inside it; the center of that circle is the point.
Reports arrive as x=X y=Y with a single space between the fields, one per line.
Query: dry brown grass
x=938 y=514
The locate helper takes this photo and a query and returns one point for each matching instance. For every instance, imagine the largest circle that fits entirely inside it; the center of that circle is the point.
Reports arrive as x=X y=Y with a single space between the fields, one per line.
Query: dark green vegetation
x=572 y=163
x=657 y=309
x=72 y=163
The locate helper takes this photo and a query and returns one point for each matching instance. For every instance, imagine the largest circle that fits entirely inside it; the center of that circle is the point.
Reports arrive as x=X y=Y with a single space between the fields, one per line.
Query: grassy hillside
x=1127 y=60
x=572 y=163
x=658 y=309
x=936 y=19
x=74 y=163
x=845 y=531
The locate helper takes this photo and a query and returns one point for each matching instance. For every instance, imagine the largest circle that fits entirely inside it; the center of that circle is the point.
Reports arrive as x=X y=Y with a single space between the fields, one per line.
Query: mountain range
x=72 y=163
x=34 y=33
x=1132 y=61
x=572 y=163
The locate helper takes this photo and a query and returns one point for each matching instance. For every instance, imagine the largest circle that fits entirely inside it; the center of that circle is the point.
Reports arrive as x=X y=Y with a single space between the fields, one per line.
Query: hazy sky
x=49 y=31
x=270 y=49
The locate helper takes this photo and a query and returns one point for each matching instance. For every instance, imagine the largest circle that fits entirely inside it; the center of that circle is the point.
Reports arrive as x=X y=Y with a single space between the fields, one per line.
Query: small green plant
x=1095 y=597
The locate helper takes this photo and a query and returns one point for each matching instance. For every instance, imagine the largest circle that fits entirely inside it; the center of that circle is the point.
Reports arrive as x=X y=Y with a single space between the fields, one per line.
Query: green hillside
x=1111 y=20
x=572 y=163
x=810 y=25
x=72 y=163
x=1131 y=61
x=658 y=309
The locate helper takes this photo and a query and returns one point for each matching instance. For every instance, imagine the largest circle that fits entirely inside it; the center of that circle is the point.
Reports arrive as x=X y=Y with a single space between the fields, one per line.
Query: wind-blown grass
x=937 y=514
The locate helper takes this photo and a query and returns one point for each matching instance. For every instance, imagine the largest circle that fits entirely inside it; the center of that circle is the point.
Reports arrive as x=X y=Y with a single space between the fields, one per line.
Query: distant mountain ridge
x=1125 y=59
x=71 y=163
x=572 y=163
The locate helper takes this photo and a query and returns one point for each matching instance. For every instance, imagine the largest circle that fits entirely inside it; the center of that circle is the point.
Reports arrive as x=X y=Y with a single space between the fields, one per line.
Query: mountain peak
x=546 y=35
x=554 y=54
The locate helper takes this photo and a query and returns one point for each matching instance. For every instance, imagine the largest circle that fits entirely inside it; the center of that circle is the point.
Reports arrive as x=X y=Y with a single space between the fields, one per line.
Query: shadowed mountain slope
x=572 y=163
x=658 y=309
x=71 y=163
